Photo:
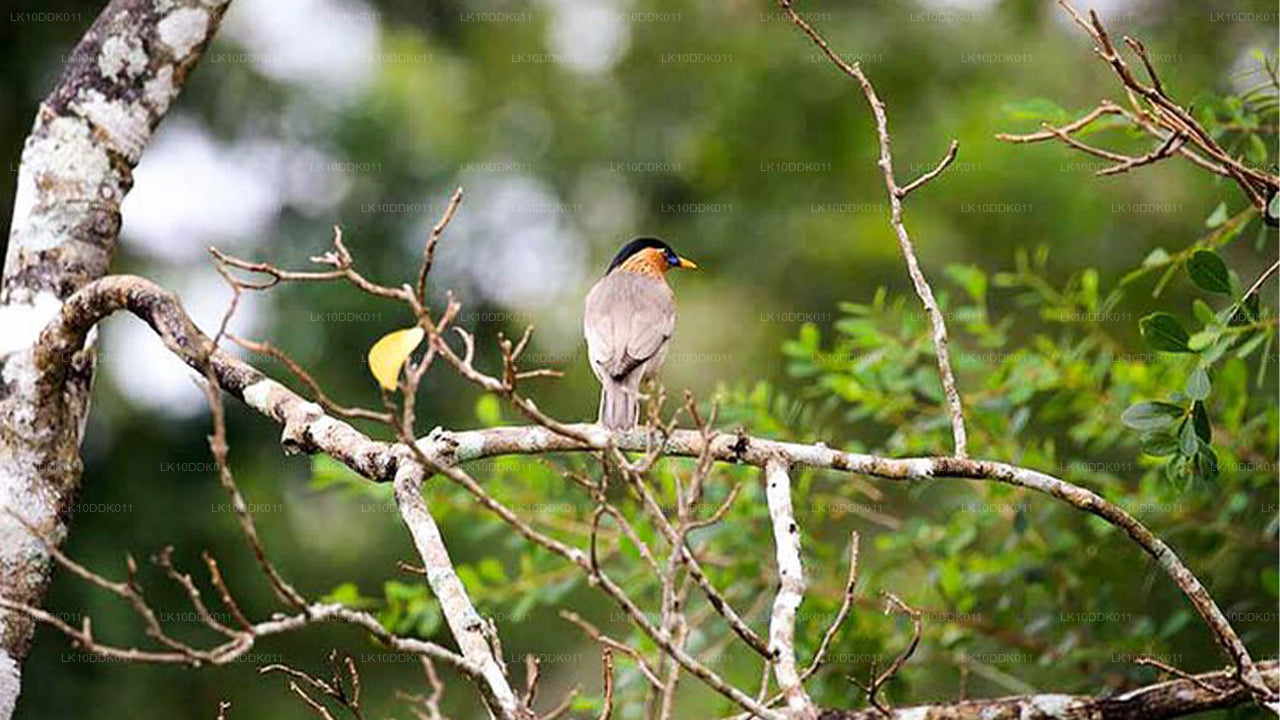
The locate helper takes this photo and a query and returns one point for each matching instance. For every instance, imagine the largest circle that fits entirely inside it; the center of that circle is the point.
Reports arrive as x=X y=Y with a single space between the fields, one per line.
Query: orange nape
x=649 y=261
x=655 y=262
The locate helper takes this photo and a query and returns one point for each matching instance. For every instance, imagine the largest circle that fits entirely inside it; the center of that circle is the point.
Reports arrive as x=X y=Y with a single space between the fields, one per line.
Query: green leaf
x=1203 y=339
x=1257 y=150
x=1040 y=109
x=1246 y=349
x=348 y=594
x=1207 y=463
x=1202 y=312
x=1198 y=385
x=1271 y=581
x=1152 y=415
x=971 y=278
x=1200 y=420
x=492 y=570
x=1208 y=271
x=1217 y=217
x=1273 y=207
x=1158 y=443
x=1188 y=443
x=488 y=411
x=1162 y=331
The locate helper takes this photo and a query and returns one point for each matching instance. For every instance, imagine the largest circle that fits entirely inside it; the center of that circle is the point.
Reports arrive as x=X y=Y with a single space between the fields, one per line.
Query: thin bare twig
x=923 y=290
x=935 y=172
x=429 y=251
x=606 y=712
x=845 y=605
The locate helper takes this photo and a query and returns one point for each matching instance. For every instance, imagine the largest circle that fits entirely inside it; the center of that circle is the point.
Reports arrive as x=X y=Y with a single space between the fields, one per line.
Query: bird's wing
x=628 y=319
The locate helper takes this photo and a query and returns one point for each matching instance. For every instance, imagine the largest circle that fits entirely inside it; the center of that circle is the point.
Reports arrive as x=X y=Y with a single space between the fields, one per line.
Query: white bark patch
x=469 y=446
x=10 y=684
x=258 y=394
x=25 y=199
x=1051 y=705
x=126 y=123
x=791 y=588
x=22 y=322
x=121 y=54
x=62 y=162
x=183 y=30
x=159 y=91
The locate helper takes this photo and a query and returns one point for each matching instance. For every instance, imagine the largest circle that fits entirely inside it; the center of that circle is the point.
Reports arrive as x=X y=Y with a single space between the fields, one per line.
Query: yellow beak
x=688 y=264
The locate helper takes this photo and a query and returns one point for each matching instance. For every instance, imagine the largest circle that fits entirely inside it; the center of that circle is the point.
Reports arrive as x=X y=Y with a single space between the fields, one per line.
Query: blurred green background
x=574 y=125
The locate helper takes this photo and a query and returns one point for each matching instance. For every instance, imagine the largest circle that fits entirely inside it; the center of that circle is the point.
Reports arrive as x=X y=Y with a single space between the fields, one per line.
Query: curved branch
x=308 y=429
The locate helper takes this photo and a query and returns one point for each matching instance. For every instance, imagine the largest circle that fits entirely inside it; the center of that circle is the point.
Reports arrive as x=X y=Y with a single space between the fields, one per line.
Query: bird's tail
x=619 y=406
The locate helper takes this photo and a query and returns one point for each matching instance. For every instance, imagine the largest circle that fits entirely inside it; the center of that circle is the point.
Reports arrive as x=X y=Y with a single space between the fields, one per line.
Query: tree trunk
x=77 y=166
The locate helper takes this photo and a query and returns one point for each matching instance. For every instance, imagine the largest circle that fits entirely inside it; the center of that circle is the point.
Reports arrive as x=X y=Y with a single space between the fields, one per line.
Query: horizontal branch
x=308 y=429
x=1176 y=698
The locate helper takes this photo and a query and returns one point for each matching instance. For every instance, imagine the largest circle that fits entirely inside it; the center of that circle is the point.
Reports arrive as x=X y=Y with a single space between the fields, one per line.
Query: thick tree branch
x=1172 y=699
x=464 y=622
x=791 y=587
x=308 y=429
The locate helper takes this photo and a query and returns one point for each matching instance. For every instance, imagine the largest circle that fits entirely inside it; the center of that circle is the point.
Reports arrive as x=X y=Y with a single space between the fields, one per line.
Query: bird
x=628 y=321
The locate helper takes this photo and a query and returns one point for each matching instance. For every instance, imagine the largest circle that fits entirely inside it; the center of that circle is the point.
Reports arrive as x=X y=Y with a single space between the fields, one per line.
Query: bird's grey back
x=629 y=318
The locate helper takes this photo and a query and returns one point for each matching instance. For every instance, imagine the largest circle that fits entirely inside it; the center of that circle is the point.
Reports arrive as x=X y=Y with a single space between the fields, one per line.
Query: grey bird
x=629 y=318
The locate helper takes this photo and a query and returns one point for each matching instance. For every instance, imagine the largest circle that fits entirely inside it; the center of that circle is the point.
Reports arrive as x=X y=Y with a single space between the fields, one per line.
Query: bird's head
x=650 y=256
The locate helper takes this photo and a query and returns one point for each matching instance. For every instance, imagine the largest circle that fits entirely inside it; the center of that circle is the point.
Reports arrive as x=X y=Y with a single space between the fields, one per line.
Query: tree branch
x=791 y=587
x=896 y=195
x=1172 y=699
x=308 y=429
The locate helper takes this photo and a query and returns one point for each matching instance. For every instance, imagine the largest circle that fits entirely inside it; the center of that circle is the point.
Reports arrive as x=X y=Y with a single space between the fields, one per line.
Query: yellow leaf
x=389 y=354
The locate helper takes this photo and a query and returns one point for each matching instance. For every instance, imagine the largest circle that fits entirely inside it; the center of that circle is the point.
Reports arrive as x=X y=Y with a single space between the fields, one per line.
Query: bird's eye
x=672 y=259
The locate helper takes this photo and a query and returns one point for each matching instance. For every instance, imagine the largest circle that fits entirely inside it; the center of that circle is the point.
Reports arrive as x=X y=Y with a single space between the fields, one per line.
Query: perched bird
x=629 y=318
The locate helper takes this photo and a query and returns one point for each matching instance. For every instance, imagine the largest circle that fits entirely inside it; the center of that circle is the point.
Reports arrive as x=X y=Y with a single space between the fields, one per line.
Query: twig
x=1166 y=148
x=879 y=681
x=428 y=252
x=1152 y=662
x=845 y=605
x=606 y=657
x=922 y=288
x=1262 y=279
x=595 y=634
x=935 y=172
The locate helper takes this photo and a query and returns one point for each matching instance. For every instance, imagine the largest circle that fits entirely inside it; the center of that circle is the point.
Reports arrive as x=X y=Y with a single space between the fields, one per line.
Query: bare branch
x=845 y=605
x=791 y=586
x=1163 y=700
x=76 y=169
x=895 y=605
x=607 y=660
x=463 y=620
x=896 y=194
x=428 y=252
x=307 y=428
x=1166 y=148
x=935 y=172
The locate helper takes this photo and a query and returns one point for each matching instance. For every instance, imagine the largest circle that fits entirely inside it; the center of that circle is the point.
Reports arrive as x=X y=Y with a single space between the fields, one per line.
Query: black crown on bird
x=644 y=243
